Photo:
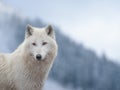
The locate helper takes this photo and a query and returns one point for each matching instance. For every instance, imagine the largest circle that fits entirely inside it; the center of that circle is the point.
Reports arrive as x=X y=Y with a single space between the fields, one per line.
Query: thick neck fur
x=30 y=70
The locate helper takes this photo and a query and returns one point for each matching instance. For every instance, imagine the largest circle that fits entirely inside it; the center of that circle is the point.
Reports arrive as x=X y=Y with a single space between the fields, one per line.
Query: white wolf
x=28 y=66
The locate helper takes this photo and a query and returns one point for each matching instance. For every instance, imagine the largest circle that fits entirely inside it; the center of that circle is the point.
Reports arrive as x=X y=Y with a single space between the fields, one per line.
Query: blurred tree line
x=75 y=65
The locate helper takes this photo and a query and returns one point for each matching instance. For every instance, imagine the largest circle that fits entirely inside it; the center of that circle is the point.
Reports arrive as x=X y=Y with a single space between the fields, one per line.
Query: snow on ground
x=52 y=85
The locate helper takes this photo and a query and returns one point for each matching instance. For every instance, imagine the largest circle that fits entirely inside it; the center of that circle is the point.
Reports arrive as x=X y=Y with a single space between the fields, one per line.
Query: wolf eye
x=44 y=43
x=34 y=44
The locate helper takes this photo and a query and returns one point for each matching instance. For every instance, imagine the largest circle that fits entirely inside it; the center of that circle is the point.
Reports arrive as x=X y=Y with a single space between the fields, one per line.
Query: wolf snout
x=38 y=57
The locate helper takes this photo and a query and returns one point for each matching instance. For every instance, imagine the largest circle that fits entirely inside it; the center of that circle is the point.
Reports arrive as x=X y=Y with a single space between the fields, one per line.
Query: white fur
x=21 y=70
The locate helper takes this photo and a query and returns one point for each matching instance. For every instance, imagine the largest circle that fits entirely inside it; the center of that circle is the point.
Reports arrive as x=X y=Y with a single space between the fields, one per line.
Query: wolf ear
x=50 y=32
x=29 y=31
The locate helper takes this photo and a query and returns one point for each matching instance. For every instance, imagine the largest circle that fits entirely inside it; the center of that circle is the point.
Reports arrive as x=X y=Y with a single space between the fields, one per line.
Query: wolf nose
x=38 y=57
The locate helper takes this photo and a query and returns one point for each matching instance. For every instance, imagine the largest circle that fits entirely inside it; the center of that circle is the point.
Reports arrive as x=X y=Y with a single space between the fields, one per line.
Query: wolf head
x=40 y=42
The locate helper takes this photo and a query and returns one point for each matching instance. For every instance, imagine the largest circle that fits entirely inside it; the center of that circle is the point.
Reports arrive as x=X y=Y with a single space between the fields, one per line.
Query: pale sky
x=95 y=23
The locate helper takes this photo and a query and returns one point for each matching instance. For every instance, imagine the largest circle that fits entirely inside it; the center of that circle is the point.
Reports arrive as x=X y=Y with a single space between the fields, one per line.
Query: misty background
x=87 y=33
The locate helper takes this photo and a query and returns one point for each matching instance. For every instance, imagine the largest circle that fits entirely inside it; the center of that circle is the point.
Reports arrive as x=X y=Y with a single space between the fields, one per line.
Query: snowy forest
x=75 y=66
